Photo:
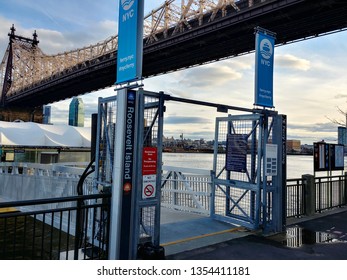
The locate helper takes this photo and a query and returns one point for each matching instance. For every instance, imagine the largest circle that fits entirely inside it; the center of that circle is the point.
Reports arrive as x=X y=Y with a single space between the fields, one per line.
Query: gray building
x=76 y=112
x=46 y=114
x=341 y=135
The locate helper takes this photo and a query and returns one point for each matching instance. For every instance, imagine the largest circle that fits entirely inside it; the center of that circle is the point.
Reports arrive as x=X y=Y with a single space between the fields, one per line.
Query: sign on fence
x=328 y=157
x=236 y=153
x=149 y=172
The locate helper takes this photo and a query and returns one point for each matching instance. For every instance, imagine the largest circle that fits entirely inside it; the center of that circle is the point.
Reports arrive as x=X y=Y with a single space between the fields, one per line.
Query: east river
x=297 y=165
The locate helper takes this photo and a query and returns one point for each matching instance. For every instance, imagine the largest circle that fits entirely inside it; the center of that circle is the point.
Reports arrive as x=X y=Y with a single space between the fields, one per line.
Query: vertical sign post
x=264 y=60
x=130 y=41
x=279 y=180
x=123 y=175
x=127 y=176
x=129 y=69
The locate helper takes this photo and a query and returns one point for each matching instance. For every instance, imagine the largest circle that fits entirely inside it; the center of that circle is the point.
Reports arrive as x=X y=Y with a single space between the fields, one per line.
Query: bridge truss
x=177 y=35
x=25 y=65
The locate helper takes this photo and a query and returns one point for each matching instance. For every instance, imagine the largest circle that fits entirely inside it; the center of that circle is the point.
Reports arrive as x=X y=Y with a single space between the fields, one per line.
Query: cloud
x=53 y=42
x=317 y=127
x=5 y=26
x=185 y=120
x=292 y=62
x=340 y=96
x=209 y=75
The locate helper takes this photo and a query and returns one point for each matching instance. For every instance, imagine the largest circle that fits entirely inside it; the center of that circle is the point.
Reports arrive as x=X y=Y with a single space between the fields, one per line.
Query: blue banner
x=130 y=41
x=264 y=60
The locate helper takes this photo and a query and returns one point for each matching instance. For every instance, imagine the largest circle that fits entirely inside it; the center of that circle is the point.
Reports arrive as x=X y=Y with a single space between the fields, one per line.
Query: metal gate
x=148 y=177
x=143 y=208
x=104 y=154
x=249 y=171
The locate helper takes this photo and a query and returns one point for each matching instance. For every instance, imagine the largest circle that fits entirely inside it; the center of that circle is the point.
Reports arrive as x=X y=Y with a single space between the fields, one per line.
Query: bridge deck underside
x=229 y=36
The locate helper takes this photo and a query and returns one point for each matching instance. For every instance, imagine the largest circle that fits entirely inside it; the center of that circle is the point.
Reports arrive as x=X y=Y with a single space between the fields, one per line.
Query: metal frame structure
x=175 y=36
x=144 y=213
x=243 y=192
x=236 y=196
x=104 y=153
x=31 y=66
x=147 y=210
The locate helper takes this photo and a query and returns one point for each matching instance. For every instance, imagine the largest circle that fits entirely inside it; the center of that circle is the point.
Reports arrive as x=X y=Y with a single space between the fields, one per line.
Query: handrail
x=52 y=200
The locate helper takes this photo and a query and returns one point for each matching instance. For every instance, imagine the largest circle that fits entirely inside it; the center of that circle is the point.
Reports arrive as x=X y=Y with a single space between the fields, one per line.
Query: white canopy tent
x=43 y=135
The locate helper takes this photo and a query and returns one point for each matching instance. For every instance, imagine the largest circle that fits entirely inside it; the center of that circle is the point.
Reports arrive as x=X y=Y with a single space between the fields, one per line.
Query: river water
x=297 y=165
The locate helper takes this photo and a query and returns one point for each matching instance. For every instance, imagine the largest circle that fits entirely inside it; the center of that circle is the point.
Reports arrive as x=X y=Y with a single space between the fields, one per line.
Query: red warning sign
x=149 y=161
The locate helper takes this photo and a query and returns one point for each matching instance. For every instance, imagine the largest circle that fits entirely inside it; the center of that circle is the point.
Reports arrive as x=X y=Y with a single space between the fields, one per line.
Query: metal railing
x=331 y=192
x=23 y=181
x=76 y=227
x=60 y=228
x=295 y=197
x=186 y=189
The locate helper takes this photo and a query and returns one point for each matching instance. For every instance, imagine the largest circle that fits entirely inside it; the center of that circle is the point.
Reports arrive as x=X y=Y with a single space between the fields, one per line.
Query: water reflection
x=297 y=236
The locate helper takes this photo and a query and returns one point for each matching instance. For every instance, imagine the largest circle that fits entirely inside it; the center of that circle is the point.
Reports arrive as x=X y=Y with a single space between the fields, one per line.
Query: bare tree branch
x=339 y=122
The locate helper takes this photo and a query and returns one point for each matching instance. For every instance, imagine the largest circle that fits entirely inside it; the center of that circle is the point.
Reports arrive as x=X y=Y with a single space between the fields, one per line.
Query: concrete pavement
x=320 y=237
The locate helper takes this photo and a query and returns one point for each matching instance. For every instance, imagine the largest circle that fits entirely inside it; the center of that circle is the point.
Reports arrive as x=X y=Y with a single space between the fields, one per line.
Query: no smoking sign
x=148 y=186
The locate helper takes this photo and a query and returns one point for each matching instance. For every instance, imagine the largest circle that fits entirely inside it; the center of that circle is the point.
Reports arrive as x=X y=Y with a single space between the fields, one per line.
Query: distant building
x=46 y=115
x=294 y=146
x=341 y=135
x=76 y=112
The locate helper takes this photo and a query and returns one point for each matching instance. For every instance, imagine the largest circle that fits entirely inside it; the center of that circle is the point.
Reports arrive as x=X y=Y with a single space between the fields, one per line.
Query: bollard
x=309 y=195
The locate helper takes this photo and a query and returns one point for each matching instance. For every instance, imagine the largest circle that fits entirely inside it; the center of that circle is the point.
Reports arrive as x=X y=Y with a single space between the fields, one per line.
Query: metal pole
x=116 y=201
x=264 y=177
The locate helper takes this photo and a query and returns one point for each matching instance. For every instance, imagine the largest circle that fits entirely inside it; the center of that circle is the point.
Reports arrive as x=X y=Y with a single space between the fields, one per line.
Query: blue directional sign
x=264 y=61
x=130 y=41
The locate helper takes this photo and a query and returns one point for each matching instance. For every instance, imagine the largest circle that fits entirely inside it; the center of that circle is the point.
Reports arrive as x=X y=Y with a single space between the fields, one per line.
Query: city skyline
x=309 y=80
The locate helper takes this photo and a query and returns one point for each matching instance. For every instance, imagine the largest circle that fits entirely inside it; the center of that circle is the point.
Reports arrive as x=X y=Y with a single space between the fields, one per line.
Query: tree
x=340 y=122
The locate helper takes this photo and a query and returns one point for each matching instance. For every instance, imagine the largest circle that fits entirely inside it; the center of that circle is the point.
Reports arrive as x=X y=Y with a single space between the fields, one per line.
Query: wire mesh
x=147 y=223
x=243 y=191
x=105 y=147
x=148 y=207
x=150 y=122
x=231 y=200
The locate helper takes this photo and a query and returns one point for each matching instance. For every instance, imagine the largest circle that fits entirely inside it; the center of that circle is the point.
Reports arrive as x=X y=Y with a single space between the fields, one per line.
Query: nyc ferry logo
x=128 y=12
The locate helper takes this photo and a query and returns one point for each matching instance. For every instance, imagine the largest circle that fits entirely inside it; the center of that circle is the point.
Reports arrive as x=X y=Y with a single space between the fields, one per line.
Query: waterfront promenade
x=189 y=235
x=320 y=237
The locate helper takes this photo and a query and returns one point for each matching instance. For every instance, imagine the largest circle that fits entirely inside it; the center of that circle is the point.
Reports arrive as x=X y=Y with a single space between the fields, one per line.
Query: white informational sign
x=339 y=157
x=149 y=186
x=271 y=160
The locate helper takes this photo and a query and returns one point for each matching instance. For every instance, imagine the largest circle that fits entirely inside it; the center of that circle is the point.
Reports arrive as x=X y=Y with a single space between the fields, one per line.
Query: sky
x=310 y=81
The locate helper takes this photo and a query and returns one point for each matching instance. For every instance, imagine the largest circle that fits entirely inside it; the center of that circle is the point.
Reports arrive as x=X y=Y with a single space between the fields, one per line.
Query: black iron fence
x=58 y=228
x=311 y=194
x=77 y=227
x=295 y=197
x=330 y=192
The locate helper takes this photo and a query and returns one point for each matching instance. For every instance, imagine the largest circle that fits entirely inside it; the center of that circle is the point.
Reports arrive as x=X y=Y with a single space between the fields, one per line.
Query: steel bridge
x=179 y=34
